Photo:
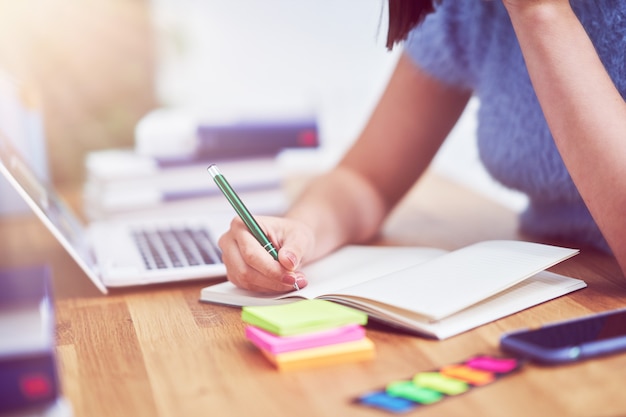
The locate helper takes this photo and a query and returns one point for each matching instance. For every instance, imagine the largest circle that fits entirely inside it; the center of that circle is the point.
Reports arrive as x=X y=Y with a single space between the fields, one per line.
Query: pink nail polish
x=289 y=279
x=301 y=281
x=292 y=258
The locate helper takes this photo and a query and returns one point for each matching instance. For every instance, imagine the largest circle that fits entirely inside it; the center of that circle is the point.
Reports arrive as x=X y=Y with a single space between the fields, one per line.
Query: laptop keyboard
x=176 y=247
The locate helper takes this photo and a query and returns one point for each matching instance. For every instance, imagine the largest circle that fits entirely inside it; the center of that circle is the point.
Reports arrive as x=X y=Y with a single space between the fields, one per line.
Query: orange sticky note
x=465 y=373
x=321 y=356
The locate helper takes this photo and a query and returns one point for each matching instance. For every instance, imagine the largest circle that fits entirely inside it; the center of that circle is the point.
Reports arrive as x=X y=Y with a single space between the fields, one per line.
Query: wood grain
x=157 y=351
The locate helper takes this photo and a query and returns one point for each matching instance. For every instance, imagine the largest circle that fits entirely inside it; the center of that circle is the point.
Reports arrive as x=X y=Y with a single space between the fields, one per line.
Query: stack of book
x=145 y=179
x=308 y=333
x=121 y=182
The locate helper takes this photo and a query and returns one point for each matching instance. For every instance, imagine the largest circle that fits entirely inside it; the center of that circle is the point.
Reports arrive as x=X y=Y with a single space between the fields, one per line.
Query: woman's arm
x=349 y=204
x=584 y=110
x=412 y=118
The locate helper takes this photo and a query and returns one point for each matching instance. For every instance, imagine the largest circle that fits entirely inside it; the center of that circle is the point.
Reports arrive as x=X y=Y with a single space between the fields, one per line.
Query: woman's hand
x=349 y=204
x=250 y=267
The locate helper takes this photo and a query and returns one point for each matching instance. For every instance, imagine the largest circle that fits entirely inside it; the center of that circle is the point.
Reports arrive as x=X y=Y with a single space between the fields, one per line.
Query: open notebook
x=427 y=291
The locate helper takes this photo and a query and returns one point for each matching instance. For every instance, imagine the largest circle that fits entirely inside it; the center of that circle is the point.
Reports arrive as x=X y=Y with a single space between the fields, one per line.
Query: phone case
x=571 y=340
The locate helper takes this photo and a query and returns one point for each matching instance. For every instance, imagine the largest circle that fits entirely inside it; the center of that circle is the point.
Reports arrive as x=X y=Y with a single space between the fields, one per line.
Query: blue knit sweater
x=471 y=44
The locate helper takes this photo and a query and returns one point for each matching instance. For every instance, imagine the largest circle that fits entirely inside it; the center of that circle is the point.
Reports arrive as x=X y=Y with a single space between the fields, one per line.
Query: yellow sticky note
x=358 y=350
x=301 y=317
x=441 y=383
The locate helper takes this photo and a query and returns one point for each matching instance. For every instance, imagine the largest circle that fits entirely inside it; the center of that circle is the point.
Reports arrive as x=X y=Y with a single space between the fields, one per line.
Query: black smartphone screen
x=570 y=340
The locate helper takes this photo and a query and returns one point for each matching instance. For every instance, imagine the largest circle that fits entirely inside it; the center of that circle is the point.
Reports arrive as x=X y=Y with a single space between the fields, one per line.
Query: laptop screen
x=36 y=192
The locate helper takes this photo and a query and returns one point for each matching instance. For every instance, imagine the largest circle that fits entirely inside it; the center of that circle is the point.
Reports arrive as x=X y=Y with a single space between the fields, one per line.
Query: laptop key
x=176 y=247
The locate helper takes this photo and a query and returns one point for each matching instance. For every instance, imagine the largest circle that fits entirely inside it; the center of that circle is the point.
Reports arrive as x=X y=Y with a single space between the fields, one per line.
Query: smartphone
x=570 y=340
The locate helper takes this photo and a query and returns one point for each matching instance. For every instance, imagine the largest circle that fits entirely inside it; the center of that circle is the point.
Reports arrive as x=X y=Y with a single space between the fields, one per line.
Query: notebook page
x=353 y=265
x=542 y=287
x=348 y=266
x=539 y=288
x=457 y=280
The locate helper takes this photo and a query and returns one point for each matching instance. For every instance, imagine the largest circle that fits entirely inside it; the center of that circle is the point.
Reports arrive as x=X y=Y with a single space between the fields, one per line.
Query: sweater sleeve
x=446 y=45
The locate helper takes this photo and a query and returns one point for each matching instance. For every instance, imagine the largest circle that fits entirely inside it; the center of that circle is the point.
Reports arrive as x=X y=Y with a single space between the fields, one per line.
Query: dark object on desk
x=571 y=340
x=247 y=139
x=28 y=374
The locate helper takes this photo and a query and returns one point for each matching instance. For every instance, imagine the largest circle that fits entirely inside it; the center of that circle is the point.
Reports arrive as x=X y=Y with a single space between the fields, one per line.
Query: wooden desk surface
x=157 y=351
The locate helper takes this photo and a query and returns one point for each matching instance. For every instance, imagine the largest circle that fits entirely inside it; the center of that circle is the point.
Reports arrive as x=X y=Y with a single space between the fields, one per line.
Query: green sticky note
x=410 y=391
x=441 y=383
x=305 y=316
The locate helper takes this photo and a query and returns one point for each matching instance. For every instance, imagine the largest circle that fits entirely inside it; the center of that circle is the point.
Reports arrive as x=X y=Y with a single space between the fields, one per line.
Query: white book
x=120 y=181
x=270 y=202
x=423 y=290
x=146 y=198
x=123 y=170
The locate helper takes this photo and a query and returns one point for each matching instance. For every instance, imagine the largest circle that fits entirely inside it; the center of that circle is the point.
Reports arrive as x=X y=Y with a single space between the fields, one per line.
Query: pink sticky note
x=334 y=354
x=487 y=363
x=277 y=344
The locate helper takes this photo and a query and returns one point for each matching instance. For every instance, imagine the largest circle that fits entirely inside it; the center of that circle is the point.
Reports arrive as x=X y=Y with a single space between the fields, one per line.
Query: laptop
x=119 y=253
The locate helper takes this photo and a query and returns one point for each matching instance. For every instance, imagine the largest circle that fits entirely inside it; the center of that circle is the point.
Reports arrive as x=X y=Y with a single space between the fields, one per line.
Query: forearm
x=584 y=110
x=340 y=207
x=404 y=132
x=577 y=96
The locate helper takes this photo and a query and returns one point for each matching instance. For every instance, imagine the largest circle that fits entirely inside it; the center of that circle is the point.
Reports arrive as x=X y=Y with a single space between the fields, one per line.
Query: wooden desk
x=157 y=351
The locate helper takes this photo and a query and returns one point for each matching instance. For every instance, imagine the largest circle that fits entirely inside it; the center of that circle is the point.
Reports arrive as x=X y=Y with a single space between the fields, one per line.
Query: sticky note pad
x=301 y=317
x=441 y=383
x=279 y=344
x=324 y=355
x=488 y=363
x=427 y=388
x=410 y=391
x=468 y=374
x=387 y=402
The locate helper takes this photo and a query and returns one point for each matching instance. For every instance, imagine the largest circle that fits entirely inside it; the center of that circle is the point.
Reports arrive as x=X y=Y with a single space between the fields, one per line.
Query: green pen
x=242 y=211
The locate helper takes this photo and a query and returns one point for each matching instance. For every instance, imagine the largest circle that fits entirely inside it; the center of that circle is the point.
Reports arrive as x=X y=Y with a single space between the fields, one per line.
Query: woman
x=550 y=76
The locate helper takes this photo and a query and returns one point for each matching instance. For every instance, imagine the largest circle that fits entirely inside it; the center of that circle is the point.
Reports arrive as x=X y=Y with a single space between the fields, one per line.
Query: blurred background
x=99 y=66
x=93 y=65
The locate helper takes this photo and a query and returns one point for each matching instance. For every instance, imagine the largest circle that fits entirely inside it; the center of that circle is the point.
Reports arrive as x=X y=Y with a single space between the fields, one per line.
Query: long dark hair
x=404 y=15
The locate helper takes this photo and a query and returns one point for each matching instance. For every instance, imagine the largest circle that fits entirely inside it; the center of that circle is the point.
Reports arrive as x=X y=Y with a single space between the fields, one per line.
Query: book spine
x=28 y=381
x=267 y=202
x=247 y=140
x=28 y=373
